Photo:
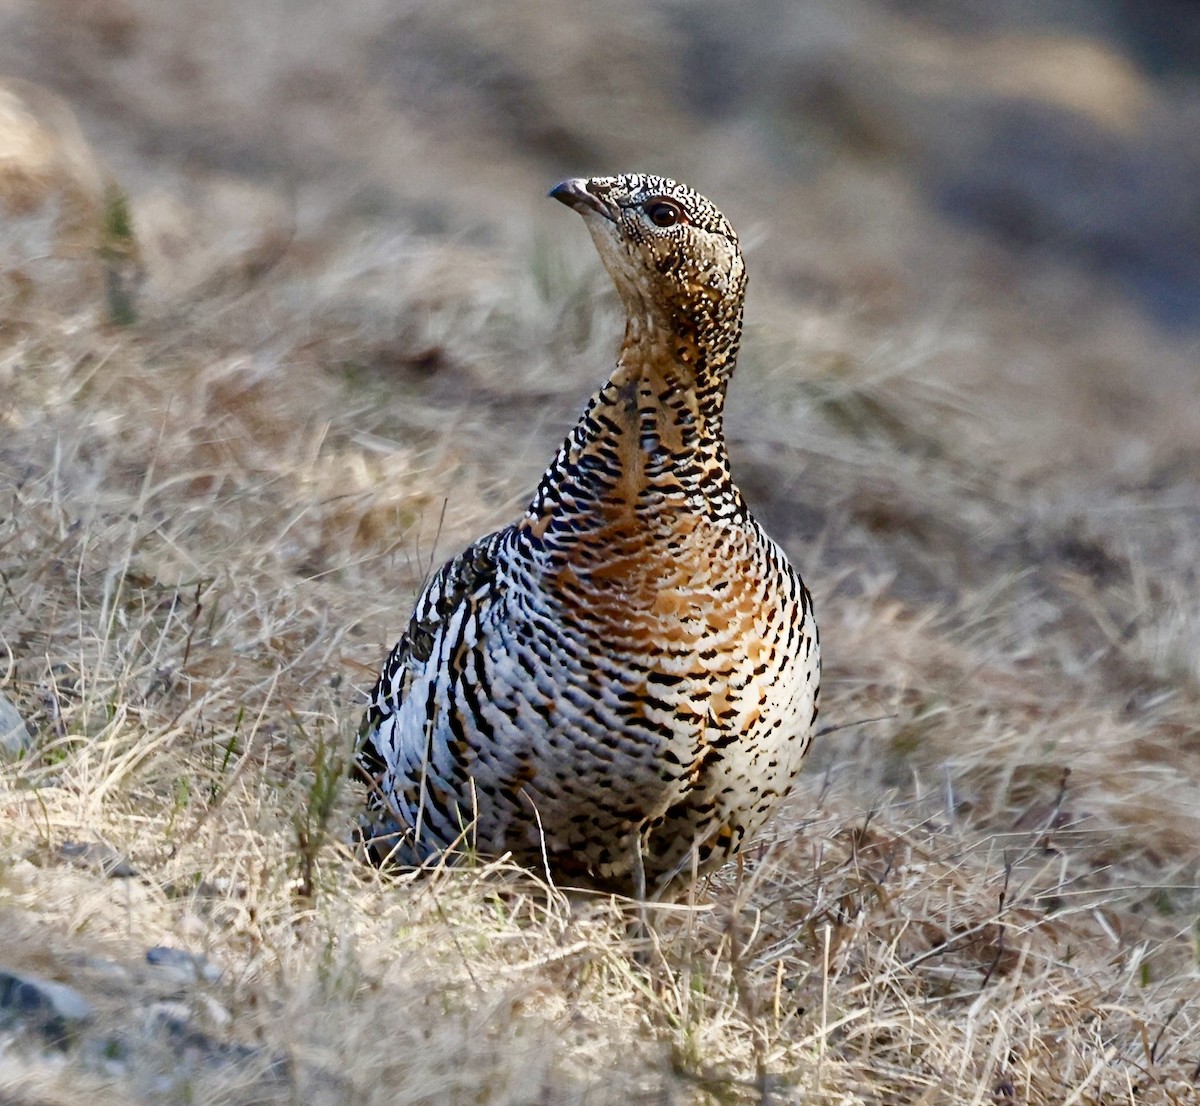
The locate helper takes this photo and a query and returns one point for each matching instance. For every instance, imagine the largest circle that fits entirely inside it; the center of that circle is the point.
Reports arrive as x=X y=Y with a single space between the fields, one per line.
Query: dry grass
x=211 y=527
x=194 y=587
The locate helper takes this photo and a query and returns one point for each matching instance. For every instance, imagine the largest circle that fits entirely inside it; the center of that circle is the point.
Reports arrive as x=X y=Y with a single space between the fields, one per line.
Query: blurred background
x=1025 y=173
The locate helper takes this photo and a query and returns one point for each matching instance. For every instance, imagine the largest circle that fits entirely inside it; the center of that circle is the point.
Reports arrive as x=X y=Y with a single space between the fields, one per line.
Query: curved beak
x=574 y=193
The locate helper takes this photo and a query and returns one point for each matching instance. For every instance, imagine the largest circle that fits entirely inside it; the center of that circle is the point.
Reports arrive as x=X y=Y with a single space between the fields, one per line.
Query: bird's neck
x=679 y=374
x=665 y=401
x=649 y=449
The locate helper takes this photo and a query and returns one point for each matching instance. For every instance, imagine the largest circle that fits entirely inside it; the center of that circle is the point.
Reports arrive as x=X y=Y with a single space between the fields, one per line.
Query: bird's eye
x=664 y=213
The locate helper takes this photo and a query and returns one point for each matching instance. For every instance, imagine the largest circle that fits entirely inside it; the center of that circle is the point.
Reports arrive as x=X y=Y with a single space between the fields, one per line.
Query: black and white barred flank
x=622 y=684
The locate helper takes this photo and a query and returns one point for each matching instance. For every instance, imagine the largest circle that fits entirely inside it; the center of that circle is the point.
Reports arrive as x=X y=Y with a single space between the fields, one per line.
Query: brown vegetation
x=357 y=339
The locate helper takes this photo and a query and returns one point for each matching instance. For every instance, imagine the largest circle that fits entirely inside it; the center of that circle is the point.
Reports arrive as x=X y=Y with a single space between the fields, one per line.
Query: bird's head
x=672 y=255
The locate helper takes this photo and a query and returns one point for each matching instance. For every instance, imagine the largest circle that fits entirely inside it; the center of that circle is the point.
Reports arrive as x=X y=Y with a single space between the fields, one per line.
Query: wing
x=457 y=584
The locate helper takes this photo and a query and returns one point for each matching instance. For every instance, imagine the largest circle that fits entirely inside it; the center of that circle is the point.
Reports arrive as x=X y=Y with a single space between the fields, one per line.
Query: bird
x=616 y=691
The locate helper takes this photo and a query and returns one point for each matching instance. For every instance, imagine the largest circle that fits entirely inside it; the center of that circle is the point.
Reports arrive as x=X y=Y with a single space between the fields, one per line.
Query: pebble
x=15 y=739
x=101 y=858
x=173 y=1020
x=172 y=1016
x=184 y=966
x=54 y=1009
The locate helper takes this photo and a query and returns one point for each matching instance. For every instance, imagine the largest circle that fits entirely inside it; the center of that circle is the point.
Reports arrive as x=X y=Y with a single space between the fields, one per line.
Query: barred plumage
x=622 y=684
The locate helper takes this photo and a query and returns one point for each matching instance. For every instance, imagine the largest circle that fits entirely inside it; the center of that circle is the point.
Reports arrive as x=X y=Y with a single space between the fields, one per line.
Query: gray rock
x=184 y=966
x=53 y=1009
x=100 y=858
x=174 y=1017
x=15 y=739
x=173 y=1021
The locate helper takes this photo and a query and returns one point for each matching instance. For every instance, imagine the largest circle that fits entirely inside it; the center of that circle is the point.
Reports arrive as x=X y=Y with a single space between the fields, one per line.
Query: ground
x=285 y=320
